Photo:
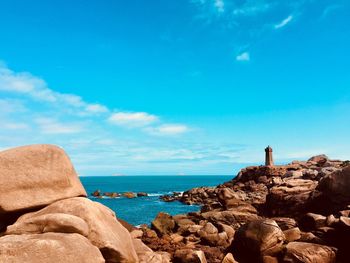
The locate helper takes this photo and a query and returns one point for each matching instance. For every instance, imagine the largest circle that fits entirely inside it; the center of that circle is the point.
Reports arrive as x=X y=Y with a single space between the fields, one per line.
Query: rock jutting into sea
x=292 y=213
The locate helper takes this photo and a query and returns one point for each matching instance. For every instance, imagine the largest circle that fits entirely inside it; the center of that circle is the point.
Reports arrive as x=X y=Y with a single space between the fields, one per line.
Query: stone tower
x=268 y=156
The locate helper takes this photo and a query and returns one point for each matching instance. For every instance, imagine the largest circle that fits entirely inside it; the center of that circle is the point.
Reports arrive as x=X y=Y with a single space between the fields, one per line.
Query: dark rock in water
x=129 y=195
x=111 y=194
x=140 y=194
x=167 y=198
x=96 y=193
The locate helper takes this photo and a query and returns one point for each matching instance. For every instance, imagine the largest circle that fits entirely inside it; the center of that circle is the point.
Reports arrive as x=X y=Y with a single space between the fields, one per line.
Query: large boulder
x=35 y=176
x=256 y=239
x=104 y=230
x=301 y=252
x=290 y=198
x=335 y=186
x=48 y=248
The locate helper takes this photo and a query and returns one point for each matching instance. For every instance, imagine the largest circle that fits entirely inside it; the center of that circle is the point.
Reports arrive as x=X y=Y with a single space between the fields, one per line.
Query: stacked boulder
x=46 y=217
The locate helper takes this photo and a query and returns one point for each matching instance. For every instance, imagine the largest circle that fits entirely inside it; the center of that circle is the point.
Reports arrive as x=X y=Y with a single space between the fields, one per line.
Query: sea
x=142 y=210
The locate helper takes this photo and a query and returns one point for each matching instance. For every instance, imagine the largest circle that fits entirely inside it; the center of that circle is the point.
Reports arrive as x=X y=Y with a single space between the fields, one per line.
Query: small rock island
x=298 y=212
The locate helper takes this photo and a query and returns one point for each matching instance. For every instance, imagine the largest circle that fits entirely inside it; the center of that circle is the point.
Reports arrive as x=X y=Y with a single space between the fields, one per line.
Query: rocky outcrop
x=40 y=175
x=306 y=202
x=48 y=247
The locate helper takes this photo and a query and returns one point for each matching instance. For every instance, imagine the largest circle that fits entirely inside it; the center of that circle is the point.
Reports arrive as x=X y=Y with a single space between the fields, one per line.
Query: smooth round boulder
x=56 y=222
x=104 y=230
x=48 y=248
x=35 y=176
x=256 y=239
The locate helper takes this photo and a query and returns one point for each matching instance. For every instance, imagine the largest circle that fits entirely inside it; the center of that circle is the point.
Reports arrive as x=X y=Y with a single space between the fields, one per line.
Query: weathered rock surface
x=256 y=239
x=335 y=187
x=104 y=230
x=48 y=248
x=55 y=222
x=40 y=175
x=300 y=252
x=163 y=223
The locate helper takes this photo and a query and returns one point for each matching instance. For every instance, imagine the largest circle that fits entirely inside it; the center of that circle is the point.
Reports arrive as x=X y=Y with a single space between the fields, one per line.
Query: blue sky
x=176 y=87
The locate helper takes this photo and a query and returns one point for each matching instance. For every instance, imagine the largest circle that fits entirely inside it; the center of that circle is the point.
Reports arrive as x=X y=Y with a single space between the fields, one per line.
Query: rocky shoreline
x=297 y=212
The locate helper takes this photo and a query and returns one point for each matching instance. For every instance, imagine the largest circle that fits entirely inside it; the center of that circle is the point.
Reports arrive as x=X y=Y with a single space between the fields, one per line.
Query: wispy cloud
x=251 y=8
x=168 y=129
x=330 y=9
x=245 y=56
x=219 y=5
x=284 y=22
x=132 y=119
x=52 y=126
x=25 y=84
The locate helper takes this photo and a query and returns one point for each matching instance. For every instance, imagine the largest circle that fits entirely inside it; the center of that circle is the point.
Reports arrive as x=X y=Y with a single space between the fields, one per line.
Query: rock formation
x=48 y=218
x=297 y=212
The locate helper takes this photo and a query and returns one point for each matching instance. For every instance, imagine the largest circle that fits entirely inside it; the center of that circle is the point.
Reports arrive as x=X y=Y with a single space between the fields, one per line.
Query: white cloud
x=52 y=126
x=251 y=9
x=132 y=119
x=11 y=105
x=219 y=5
x=168 y=129
x=15 y=126
x=245 y=56
x=96 y=108
x=284 y=22
x=24 y=83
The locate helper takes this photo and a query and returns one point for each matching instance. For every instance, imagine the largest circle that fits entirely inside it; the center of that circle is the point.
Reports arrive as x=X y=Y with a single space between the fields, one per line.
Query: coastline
x=270 y=213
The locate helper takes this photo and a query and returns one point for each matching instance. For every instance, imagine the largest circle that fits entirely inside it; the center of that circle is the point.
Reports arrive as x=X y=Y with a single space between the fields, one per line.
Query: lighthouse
x=268 y=156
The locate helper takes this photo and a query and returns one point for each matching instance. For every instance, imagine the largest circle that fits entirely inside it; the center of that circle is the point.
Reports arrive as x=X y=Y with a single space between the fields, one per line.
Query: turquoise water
x=142 y=210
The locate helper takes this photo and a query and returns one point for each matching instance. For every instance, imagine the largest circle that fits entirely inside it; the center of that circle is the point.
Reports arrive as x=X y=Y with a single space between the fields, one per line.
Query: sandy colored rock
x=163 y=223
x=104 y=230
x=56 y=222
x=292 y=234
x=40 y=175
x=189 y=256
x=48 y=248
x=146 y=255
x=300 y=252
x=229 y=259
